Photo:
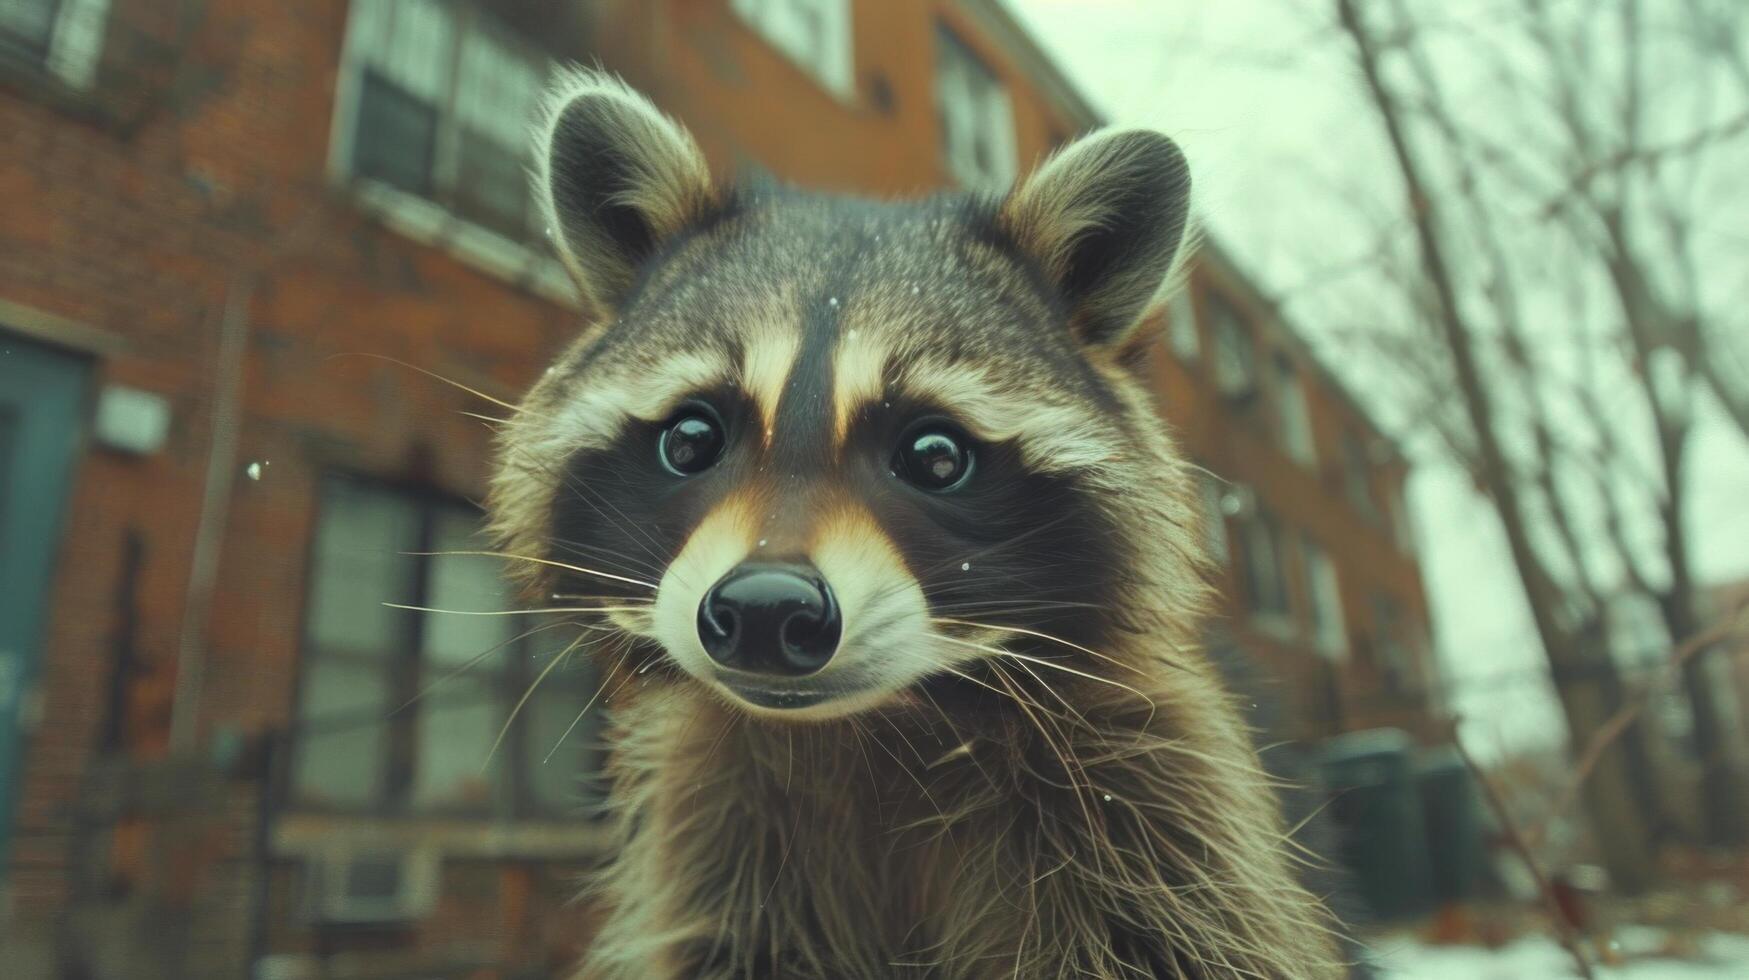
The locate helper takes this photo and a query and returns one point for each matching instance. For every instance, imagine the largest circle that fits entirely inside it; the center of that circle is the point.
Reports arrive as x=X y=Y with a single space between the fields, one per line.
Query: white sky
x=1270 y=111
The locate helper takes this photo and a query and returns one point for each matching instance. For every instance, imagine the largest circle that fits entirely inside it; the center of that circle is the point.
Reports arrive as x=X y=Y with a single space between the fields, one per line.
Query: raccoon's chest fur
x=896 y=848
x=817 y=852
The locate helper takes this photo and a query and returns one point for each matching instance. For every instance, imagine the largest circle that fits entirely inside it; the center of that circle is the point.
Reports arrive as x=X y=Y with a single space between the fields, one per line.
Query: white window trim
x=1331 y=639
x=1293 y=411
x=1235 y=352
x=835 y=73
x=423 y=220
x=75 y=45
x=1278 y=622
x=1182 y=334
x=1000 y=110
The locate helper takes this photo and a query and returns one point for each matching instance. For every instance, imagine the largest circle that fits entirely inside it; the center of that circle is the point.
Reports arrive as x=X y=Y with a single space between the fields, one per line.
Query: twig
x=1611 y=729
x=1650 y=156
x=1563 y=927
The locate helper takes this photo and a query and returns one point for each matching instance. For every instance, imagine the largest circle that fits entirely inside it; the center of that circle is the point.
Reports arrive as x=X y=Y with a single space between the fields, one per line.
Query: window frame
x=1393 y=498
x=1217 y=539
x=1234 y=348
x=1183 y=334
x=408 y=669
x=1323 y=584
x=528 y=261
x=1262 y=520
x=950 y=44
x=835 y=71
x=1293 y=410
x=74 y=48
x=1394 y=646
x=1357 y=476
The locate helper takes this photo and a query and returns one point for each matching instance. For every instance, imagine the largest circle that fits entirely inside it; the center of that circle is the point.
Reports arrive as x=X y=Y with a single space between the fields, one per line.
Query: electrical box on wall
x=131 y=420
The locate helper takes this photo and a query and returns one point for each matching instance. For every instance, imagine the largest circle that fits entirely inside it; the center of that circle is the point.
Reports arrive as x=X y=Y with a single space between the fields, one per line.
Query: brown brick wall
x=141 y=226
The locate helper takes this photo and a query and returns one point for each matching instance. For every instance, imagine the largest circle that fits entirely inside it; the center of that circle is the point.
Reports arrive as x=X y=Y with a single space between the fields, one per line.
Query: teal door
x=42 y=399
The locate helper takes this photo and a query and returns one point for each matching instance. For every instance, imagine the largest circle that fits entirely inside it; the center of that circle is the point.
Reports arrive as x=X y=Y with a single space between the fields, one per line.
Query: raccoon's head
x=816 y=452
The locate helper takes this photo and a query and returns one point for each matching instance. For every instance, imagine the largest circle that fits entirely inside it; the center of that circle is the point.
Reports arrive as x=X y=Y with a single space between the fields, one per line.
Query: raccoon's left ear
x=618 y=179
x=1105 y=219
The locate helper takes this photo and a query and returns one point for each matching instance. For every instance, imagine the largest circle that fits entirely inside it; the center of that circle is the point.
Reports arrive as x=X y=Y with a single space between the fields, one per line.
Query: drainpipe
x=221 y=473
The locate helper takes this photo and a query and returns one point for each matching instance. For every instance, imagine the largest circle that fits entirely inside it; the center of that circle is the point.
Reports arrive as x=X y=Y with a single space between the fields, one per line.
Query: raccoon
x=893 y=573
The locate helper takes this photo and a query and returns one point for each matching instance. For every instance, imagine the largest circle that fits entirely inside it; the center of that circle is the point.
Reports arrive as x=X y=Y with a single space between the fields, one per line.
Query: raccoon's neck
x=882 y=832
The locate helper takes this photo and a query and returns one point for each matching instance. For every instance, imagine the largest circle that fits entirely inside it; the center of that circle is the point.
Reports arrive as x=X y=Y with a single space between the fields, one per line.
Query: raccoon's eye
x=691 y=443
x=934 y=456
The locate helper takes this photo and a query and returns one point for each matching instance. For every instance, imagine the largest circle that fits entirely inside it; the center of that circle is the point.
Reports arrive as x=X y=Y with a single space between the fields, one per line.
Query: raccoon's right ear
x=1105 y=219
x=617 y=179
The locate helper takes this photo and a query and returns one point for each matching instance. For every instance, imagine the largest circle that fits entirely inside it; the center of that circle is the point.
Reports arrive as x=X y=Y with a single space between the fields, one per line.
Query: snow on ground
x=1720 y=957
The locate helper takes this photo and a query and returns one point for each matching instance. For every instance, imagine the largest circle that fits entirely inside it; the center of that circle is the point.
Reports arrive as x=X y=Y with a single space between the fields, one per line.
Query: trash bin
x=1450 y=811
x=1381 y=835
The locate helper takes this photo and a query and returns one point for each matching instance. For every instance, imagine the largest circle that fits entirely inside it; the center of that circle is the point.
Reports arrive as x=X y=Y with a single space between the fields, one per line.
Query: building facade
x=262 y=269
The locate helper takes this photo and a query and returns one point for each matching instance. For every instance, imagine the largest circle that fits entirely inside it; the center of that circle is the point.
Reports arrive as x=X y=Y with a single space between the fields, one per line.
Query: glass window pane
x=419 y=49
x=1290 y=399
x=28 y=24
x=1181 y=326
x=492 y=184
x=1396 y=659
x=498 y=88
x=455 y=766
x=396 y=136
x=1326 y=600
x=343 y=722
x=361 y=561
x=1265 y=584
x=977 y=117
x=563 y=750
x=1235 y=371
x=815 y=34
x=496 y=93
x=1357 y=471
x=465 y=583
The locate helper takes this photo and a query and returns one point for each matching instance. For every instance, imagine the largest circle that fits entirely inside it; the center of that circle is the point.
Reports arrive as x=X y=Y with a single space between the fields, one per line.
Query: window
x=1357 y=475
x=1324 y=597
x=400 y=710
x=1181 y=327
x=977 y=119
x=1235 y=361
x=1265 y=581
x=1395 y=647
x=1214 y=517
x=63 y=36
x=815 y=34
x=442 y=97
x=1397 y=511
x=1292 y=421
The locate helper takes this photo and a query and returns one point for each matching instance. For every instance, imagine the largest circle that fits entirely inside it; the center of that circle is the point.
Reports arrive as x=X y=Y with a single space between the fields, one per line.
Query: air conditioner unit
x=361 y=887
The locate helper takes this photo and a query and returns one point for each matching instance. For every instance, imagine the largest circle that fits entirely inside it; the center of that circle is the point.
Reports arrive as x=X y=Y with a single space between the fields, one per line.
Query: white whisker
x=515 y=612
x=558 y=659
x=1043 y=636
x=538 y=561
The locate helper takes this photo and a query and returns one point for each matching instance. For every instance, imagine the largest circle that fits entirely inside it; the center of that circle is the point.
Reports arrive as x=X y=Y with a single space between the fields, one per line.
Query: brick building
x=236 y=235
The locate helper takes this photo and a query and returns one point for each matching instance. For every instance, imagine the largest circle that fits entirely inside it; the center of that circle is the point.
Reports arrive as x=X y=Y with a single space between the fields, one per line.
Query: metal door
x=42 y=399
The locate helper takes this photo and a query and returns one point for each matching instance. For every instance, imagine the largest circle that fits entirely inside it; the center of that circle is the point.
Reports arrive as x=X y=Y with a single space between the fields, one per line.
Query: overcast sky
x=1269 y=110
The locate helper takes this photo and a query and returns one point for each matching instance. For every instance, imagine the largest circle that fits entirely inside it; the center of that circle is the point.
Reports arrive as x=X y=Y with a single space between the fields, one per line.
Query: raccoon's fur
x=1015 y=762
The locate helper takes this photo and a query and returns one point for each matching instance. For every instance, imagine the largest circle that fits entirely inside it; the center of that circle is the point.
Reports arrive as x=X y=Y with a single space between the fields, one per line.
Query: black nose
x=770 y=618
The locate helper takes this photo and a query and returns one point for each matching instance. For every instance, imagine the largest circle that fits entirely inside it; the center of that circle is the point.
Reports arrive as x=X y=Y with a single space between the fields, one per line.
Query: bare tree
x=1635 y=202
x=1557 y=258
